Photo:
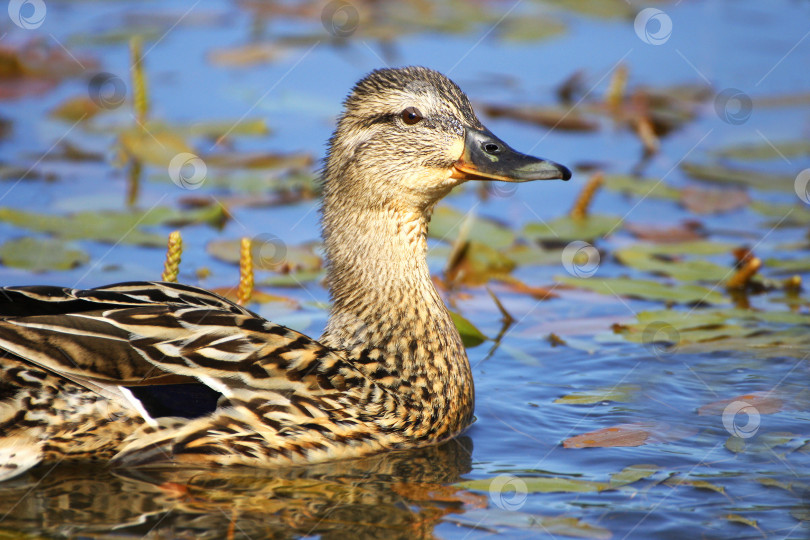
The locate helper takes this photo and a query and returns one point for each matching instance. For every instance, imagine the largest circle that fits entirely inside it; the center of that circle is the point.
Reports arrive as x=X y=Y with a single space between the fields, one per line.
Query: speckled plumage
x=389 y=372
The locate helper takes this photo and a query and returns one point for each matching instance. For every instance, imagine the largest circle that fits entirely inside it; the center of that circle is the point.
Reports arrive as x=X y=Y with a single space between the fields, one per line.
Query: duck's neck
x=389 y=317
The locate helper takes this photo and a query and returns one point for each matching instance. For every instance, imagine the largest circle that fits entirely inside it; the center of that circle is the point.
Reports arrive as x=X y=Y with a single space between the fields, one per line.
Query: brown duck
x=157 y=373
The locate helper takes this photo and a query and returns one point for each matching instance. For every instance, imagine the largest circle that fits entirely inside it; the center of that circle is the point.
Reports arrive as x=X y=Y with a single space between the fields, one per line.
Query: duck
x=144 y=374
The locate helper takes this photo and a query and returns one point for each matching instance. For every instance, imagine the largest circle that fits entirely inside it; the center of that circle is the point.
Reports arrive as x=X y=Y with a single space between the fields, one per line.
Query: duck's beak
x=486 y=157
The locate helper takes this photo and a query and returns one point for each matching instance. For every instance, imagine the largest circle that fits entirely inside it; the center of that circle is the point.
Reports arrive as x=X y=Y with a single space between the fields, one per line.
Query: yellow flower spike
x=743 y=276
x=245 y=290
x=580 y=208
x=140 y=98
x=171 y=268
x=615 y=91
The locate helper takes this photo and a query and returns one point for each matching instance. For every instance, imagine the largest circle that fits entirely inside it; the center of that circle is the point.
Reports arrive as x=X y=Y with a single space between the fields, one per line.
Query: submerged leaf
x=744 y=177
x=446 y=221
x=622 y=394
x=643 y=187
x=647 y=290
x=113 y=227
x=566 y=229
x=40 y=255
x=682 y=270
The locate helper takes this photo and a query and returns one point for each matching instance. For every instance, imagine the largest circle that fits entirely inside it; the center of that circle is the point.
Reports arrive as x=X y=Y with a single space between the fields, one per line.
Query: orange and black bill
x=486 y=157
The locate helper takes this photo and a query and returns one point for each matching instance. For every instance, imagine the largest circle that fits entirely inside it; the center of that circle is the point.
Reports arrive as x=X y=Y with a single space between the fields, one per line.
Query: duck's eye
x=411 y=115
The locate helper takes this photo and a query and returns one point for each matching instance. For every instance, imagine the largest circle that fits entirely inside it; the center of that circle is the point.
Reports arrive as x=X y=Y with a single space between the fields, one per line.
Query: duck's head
x=407 y=136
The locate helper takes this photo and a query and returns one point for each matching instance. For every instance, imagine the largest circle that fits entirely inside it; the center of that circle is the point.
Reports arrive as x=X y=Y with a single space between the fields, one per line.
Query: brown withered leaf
x=713 y=201
x=763 y=402
x=685 y=232
x=552 y=117
x=625 y=435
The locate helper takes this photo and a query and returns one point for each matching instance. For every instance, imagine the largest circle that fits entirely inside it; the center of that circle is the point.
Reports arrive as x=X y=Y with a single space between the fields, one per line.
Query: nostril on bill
x=491 y=148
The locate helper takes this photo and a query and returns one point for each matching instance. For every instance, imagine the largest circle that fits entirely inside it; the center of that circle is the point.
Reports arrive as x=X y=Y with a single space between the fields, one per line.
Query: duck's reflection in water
x=396 y=495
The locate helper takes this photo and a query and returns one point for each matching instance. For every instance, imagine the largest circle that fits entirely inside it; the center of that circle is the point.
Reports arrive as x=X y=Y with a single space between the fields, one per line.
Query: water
x=702 y=481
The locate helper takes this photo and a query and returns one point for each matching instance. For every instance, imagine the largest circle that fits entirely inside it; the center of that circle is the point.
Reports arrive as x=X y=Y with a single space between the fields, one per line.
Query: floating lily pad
x=647 y=290
x=785 y=215
x=446 y=223
x=744 y=177
x=682 y=270
x=152 y=145
x=40 y=255
x=622 y=394
x=643 y=187
x=789 y=266
x=113 y=227
x=765 y=151
x=632 y=474
x=567 y=229
x=762 y=333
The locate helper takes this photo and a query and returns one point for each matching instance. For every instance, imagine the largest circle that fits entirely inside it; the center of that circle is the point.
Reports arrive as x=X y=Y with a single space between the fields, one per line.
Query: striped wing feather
x=286 y=398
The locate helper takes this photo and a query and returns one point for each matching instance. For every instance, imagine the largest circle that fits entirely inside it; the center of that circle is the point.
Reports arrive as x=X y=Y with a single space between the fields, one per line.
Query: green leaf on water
x=541 y=484
x=785 y=215
x=446 y=222
x=682 y=270
x=643 y=187
x=676 y=481
x=112 y=227
x=633 y=473
x=622 y=394
x=789 y=266
x=152 y=145
x=566 y=229
x=41 y=254
x=726 y=175
x=647 y=290
x=696 y=247
x=761 y=333
x=765 y=151
x=470 y=335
